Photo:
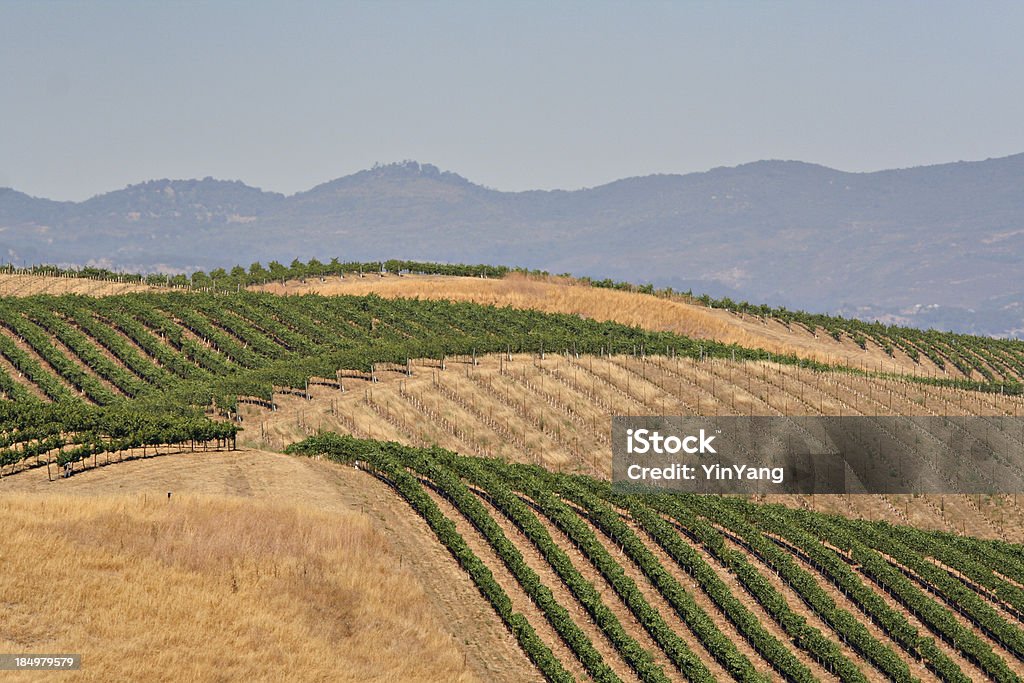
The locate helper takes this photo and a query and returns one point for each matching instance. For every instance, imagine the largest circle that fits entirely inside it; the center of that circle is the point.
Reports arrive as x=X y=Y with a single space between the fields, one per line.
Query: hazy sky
x=513 y=95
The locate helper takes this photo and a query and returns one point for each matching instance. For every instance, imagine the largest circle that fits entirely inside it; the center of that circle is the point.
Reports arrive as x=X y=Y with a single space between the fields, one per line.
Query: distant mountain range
x=935 y=246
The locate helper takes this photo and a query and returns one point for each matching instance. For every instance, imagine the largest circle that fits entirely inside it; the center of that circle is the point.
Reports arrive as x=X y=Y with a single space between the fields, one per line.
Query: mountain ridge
x=432 y=170
x=938 y=245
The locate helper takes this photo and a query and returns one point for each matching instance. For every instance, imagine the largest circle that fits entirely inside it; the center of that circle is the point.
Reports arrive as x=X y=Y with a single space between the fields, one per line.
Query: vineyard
x=869 y=345
x=602 y=586
x=591 y=584
x=81 y=376
x=923 y=352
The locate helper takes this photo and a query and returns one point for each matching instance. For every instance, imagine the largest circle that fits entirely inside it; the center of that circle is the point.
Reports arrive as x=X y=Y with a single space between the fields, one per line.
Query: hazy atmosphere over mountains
x=890 y=244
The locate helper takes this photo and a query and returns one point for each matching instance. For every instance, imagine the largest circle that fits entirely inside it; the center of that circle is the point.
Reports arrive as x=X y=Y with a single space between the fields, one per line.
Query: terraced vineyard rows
x=925 y=352
x=216 y=347
x=982 y=358
x=753 y=591
x=112 y=362
x=68 y=433
x=932 y=352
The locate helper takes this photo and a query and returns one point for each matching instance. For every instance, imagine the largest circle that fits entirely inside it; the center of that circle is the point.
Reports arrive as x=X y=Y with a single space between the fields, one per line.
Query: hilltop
x=679 y=314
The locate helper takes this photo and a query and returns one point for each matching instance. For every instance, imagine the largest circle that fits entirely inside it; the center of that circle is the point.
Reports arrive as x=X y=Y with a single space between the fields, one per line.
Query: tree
x=277 y=270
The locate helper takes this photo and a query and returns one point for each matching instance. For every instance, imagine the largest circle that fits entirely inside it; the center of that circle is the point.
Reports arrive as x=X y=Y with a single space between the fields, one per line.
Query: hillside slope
x=666 y=589
x=304 y=562
x=136 y=357
x=556 y=412
x=678 y=314
x=705 y=588
x=31 y=285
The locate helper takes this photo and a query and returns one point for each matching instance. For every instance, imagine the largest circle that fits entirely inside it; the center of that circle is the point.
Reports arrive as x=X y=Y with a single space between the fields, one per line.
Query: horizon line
x=421 y=165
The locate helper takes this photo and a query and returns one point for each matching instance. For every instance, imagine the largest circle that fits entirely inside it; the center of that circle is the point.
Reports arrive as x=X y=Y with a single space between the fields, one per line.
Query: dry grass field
x=561 y=295
x=557 y=412
x=259 y=567
x=269 y=567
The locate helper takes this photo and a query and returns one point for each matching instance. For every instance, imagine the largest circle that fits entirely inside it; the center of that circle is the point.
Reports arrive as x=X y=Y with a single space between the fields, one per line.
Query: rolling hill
x=512 y=561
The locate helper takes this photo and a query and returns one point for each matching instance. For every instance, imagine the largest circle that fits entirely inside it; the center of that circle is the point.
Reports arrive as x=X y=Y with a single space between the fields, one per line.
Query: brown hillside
x=350 y=570
x=557 y=411
x=260 y=566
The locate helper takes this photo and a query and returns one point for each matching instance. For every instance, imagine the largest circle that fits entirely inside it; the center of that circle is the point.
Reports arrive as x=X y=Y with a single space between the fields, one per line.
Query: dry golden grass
x=28 y=285
x=260 y=567
x=201 y=588
x=561 y=295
